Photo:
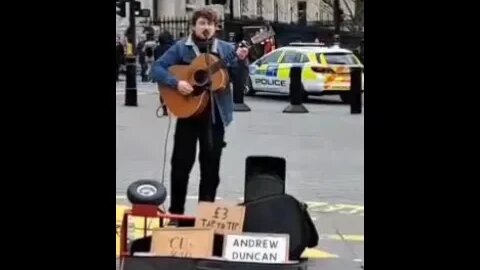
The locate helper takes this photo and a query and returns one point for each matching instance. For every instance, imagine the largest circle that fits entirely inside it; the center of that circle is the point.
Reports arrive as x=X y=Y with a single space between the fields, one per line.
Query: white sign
x=256 y=247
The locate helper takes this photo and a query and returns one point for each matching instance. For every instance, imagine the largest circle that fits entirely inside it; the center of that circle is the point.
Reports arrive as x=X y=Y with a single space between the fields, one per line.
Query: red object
x=146 y=211
x=323 y=70
x=269 y=46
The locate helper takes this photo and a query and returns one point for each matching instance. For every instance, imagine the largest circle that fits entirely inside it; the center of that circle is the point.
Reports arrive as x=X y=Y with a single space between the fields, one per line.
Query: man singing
x=209 y=128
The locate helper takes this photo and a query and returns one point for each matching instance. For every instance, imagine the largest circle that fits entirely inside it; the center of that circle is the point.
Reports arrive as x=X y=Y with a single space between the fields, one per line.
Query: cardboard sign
x=182 y=242
x=256 y=247
x=223 y=218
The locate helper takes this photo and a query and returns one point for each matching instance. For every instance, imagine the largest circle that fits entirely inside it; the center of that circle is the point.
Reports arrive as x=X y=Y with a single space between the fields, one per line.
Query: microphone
x=206 y=33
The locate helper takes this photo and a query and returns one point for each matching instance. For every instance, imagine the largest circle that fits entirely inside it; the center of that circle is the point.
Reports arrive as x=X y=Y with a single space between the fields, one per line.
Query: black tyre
x=345 y=97
x=146 y=192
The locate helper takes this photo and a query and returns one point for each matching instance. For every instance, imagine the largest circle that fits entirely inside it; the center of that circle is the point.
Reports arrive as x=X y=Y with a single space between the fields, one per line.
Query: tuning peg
x=243 y=43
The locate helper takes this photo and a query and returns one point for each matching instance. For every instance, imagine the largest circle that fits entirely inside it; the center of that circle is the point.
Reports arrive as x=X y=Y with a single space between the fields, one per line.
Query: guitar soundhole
x=201 y=77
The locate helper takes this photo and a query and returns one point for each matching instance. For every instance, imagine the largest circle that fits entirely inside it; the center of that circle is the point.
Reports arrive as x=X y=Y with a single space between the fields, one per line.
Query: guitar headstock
x=264 y=34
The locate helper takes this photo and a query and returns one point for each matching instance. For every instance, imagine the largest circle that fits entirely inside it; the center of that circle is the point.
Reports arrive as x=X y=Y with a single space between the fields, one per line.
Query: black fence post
x=131 y=82
x=296 y=92
x=239 y=81
x=131 y=79
x=356 y=90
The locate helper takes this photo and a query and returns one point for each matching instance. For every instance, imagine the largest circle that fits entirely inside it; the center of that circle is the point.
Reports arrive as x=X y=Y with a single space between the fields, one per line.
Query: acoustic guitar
x=206 y=73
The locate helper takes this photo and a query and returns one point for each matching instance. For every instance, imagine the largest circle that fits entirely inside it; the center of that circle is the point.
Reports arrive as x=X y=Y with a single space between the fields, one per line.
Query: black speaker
x=282 y=214
x=264 y=176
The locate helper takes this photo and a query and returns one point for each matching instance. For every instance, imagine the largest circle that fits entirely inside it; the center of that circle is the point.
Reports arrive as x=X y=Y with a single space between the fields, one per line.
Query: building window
x=243 y=7
x=302 y=12
x=275 y=11
x=259 y=8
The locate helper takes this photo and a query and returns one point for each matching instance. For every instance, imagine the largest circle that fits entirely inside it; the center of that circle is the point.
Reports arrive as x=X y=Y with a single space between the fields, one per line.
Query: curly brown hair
x=207 y=13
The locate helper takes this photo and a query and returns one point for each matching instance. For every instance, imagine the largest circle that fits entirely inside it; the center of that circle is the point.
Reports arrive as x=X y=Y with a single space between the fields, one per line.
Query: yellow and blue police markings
x=277 y=75
x=270 y=76
x=312 y=253
x=272 y=70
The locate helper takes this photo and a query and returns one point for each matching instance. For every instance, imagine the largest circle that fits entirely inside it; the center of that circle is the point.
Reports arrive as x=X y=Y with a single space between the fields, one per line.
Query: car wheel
x=146 y=192
x=345 y=97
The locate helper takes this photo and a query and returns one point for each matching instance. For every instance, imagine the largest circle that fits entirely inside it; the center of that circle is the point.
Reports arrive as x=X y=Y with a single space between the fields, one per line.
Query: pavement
x=324 y=150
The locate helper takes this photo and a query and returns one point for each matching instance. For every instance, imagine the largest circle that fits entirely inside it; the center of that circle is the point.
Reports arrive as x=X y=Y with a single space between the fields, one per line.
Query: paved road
x=324 y=152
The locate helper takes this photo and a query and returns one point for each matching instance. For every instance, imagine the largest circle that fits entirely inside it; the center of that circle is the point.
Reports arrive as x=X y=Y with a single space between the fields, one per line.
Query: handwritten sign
x=182 y=242
x=256 y=247
x=223 y=218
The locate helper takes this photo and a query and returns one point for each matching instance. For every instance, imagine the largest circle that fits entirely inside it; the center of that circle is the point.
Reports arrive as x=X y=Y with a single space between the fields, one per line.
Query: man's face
x=201 y=26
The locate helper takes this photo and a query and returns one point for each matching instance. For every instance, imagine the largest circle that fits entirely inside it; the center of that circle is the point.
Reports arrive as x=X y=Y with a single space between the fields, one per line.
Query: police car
x=326 y=70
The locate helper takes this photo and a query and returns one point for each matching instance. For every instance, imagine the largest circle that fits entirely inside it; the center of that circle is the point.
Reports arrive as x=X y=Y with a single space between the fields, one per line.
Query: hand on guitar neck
x=242 y=53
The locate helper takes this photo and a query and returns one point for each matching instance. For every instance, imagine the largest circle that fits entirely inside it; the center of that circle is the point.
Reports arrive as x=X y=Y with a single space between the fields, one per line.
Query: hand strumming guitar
x=184 y=87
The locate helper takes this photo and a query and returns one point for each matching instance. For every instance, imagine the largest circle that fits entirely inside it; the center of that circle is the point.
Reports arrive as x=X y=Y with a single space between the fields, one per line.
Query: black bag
x=285 y=215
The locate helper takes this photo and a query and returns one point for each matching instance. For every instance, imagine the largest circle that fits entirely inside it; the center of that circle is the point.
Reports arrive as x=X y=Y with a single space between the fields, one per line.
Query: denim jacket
x=183 y=52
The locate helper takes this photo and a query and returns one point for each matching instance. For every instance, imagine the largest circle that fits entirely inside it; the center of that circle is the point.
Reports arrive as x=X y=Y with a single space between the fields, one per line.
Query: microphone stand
x=211 y=120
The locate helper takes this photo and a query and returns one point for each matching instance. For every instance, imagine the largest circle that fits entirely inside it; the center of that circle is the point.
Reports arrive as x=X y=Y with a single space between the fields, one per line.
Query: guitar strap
x=212 y=98
x=212 y=103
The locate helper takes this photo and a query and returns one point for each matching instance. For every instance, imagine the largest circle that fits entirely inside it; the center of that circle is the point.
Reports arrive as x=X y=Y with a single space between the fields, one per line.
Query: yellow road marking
x=346 y=237
x=313 y=253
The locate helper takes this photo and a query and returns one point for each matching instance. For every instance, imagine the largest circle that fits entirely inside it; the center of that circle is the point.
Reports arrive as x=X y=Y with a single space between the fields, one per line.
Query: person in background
x=119 y=57
x=181 y=35
x=269 y=46
x=149 y=49
x=165 y=41
x=141 y=58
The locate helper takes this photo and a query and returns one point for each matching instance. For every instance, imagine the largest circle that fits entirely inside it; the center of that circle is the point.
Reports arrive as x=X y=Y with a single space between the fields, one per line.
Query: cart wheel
x=146 y=192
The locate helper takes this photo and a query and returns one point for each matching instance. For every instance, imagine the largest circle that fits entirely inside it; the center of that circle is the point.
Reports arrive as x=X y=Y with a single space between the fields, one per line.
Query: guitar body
x=197 y=74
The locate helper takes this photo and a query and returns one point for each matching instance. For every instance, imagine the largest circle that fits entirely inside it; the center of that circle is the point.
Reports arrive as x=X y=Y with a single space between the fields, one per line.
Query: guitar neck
x=246 y=44
x=255 y=39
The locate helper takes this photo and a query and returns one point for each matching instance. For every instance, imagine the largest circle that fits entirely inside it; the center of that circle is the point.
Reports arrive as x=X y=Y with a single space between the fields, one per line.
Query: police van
x=326 y=70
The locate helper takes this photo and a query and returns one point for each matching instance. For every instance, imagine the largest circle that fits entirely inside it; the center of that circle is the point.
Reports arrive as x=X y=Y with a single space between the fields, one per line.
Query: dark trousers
x=117 y=72
x=143 y=71
x=187 y=133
